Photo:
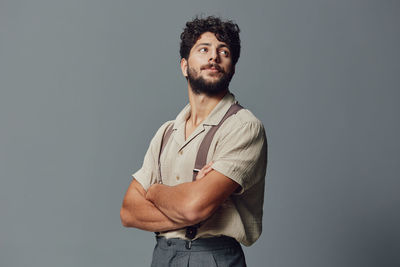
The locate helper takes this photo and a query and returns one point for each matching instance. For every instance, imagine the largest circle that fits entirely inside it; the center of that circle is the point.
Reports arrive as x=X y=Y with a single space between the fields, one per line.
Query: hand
x=204 y=171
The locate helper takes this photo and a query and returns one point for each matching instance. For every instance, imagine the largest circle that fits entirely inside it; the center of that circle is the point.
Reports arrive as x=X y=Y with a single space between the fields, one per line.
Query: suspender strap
x=165 y=138
x=201 y=159
x=164 y=142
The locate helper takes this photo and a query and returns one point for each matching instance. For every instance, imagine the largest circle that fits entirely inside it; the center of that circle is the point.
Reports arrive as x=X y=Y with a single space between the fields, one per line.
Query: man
x=200 y=218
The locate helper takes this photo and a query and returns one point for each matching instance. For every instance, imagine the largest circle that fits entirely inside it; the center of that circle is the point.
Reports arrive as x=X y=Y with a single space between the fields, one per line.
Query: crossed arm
x=164 y=207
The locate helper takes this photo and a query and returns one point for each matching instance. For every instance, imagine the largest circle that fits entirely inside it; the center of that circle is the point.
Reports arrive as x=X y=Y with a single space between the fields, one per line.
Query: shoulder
x=161 y=131
x=241 y=149
x=244 y=121
x=164 y=127
x=245 y=116
x=241 y=131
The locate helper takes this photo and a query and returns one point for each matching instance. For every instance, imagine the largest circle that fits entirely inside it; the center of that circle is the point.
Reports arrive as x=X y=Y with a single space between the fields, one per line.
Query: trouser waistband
x=200 y=244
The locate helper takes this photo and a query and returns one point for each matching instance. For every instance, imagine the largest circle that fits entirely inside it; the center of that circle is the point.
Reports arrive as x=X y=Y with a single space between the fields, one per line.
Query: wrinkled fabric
x=238 y=151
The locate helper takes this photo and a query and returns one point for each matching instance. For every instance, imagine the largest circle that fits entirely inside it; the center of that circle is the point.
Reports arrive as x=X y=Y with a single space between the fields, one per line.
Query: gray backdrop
x=85 y=85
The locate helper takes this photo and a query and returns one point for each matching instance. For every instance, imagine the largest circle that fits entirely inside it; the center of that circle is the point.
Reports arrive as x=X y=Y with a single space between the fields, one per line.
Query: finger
x=207 y=170
x=201 y=174
x=209 y=164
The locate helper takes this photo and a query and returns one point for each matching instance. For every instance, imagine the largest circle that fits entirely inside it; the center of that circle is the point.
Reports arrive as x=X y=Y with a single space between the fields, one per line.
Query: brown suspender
x=201 y=157
x=205 y=144
x=164 y=141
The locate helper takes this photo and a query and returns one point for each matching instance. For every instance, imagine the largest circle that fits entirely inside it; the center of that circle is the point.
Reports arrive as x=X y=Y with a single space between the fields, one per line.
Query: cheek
x=197 y=60
x=193 y=63
x=229 y=66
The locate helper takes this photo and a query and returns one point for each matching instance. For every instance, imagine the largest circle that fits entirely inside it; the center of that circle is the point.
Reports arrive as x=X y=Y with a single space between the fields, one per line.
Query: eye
x=224 y=52
x=203 y=50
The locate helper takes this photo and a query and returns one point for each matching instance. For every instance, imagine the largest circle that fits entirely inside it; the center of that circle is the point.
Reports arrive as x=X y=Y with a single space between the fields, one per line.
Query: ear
x=184 y=67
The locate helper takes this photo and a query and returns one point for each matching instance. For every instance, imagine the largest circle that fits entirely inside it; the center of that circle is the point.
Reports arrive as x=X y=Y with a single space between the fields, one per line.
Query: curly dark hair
x=225 y=31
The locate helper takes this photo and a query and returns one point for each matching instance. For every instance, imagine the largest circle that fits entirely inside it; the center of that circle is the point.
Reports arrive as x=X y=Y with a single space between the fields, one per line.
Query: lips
x=214 y=69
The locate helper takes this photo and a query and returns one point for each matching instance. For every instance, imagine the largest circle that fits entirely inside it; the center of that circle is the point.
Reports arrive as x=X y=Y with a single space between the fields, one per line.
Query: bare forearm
x=149 y=218
x=194 y=201
x=175 y=201
x=179 y=202
x=170 y=200
x=140 y=213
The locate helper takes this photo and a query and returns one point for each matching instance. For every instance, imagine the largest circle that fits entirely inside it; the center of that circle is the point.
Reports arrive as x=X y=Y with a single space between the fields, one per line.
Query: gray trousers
x=204 y=252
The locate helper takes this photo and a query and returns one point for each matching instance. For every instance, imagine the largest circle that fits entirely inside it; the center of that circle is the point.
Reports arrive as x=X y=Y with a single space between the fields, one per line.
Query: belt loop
x=188 y=244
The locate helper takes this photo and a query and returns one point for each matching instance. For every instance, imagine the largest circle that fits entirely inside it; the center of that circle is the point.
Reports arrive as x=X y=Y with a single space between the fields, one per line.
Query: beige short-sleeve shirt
x=238 y=151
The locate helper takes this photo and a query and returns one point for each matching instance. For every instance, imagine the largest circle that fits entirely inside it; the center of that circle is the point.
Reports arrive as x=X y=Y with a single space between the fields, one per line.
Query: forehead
x=209 y=38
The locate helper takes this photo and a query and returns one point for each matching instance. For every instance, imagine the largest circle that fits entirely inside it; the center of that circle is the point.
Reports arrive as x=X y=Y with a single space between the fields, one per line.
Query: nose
x=214 y=56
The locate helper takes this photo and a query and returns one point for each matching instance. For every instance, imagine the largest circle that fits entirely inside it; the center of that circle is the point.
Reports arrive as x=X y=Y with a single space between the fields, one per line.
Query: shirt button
x=180 y=152
x=177 y=177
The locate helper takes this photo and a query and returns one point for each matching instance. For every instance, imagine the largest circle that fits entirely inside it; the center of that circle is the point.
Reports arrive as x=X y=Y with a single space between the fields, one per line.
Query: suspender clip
x=188 y=244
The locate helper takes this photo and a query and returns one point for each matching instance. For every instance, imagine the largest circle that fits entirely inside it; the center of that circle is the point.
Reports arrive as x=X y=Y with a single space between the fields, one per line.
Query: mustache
x=212 y=65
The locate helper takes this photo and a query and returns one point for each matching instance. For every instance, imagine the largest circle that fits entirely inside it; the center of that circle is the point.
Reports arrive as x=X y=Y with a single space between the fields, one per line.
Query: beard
x=200 y=86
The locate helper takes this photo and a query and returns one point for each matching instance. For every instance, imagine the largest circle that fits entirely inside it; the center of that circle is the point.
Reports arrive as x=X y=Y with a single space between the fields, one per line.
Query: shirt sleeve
x=148 y=173
x=241 y=154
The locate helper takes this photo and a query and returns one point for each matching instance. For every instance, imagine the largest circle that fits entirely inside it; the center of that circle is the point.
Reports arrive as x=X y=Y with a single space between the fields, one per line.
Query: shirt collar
x=214 y=117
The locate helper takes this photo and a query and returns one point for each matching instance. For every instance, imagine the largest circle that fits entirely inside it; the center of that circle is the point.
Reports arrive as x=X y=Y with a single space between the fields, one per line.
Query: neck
x=201 y=105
